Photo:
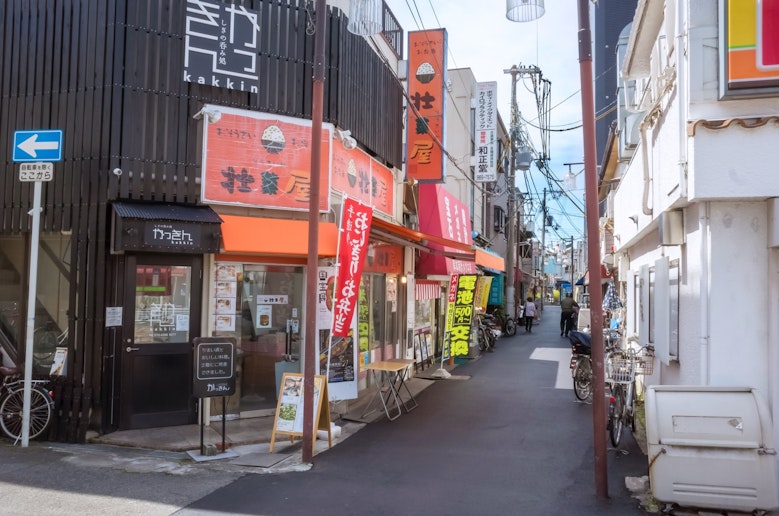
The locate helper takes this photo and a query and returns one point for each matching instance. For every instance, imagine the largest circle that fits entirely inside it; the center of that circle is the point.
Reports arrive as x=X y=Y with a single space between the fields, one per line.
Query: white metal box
x=711 y=447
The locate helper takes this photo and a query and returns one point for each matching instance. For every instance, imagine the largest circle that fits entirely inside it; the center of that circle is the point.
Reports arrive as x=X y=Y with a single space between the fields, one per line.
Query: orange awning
x=396 y=234
x=277 y=237
x=489 y=260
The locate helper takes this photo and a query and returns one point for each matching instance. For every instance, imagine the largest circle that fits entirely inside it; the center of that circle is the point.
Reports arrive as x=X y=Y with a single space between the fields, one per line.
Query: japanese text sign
x=427 y=105
x=262 y=160
x=357 y=175
x=352 y=247
x=221 y=45
x=486 y=133
x=460 y=313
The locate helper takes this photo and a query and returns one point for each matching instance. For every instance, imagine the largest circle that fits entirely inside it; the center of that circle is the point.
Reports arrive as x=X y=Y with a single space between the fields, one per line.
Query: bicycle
x=622 y=367
x=485 y=335
x=12 y=405
x=581 y=361
x=507 y=324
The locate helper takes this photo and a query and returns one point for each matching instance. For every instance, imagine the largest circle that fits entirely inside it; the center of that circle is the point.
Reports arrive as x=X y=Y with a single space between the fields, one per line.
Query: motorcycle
x=581 y=364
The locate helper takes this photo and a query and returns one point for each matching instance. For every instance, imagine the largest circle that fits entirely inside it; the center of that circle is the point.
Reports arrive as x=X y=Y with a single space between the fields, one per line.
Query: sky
x=481 y=38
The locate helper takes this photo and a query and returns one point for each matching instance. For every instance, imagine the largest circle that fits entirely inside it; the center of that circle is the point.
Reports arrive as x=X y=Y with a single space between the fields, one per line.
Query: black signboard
x=214 y=367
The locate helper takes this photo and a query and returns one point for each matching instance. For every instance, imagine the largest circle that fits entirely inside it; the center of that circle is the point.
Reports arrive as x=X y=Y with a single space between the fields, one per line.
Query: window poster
x=225 y=288
x=337 y=355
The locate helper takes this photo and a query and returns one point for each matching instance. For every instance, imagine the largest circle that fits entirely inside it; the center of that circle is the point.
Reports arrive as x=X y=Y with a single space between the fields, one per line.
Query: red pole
x=309 y=358
x=593 y=251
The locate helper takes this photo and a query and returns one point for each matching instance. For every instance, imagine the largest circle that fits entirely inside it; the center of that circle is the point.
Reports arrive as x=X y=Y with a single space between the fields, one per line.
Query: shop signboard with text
x=261 y=160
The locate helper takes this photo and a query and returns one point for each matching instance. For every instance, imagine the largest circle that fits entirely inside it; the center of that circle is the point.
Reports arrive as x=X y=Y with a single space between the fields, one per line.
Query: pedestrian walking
x=530 y=312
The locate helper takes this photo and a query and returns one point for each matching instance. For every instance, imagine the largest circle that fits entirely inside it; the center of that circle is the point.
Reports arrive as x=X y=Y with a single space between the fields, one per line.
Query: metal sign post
x=35 y=150
x=37 y=172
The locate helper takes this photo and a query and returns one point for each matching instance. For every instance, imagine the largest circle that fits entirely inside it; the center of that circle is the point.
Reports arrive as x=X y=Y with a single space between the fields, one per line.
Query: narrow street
x=504 y=435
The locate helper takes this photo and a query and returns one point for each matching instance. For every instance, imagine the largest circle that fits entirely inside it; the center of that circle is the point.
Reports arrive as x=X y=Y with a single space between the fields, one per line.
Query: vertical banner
x=486 y=133
x=352 y=247
x=337 y=356
x=462 y=314
x=427 y=105
x=482 y=293
x=451 y=298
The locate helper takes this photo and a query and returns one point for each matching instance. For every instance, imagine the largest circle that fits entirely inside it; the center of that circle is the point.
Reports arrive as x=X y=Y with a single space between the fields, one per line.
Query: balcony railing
x=392 y=31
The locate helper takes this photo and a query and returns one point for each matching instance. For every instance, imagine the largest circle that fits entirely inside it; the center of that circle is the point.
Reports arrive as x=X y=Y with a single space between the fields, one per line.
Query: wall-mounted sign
x=486 y=133
x=427 y=105
x=221 y=45
x=262 y=160
x=752 y=33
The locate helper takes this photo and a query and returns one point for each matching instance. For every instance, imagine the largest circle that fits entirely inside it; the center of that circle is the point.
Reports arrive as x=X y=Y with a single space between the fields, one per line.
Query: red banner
x=352 y=248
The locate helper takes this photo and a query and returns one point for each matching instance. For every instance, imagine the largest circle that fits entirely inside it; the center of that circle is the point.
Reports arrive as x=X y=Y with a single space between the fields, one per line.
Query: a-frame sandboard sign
x=289 y=412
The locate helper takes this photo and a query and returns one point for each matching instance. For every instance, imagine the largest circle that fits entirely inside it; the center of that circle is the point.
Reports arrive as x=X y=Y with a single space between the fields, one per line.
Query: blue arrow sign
x=42 y=145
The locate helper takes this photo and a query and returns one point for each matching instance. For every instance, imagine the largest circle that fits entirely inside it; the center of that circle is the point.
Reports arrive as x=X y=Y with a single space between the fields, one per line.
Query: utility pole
x=543 y=252
x=572 y=275
x=593 y=250
x=510 y=233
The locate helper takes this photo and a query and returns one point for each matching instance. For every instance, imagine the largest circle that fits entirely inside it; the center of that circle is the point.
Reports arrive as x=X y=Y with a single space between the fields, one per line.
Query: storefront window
x=261 y=307
x=162 y=303
x=51 y=302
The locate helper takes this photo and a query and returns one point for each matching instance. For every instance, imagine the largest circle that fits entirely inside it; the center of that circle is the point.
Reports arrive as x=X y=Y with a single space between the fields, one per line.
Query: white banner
x=486 y=133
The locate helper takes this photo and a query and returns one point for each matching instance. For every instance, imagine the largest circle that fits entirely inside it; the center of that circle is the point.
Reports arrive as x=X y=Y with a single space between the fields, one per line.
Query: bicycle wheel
x=11 y=412
x=483 y=342
x=582 y=379
x=511 y=327
x=617 y=414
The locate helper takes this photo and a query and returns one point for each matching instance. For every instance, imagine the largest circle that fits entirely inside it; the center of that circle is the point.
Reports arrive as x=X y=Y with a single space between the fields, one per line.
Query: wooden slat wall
x=109 y=74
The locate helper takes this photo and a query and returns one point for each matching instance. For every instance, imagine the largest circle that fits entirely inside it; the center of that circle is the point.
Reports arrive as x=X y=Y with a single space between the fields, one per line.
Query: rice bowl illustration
x=425 y=73
x=273 y=139
x=351 y=173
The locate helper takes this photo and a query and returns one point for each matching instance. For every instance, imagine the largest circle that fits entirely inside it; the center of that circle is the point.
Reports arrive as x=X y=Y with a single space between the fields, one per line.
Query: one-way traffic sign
x=41 y=145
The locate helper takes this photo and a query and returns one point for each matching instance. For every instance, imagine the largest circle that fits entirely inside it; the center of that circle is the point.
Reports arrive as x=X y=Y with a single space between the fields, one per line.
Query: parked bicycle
x=12 y=405
x=581 y=364
x=507 y=324
x=485 y=333
x=622 y=366
x=581 y=360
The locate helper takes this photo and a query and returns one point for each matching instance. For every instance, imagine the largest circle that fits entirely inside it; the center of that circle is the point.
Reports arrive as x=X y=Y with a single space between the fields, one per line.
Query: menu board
x=289 y=412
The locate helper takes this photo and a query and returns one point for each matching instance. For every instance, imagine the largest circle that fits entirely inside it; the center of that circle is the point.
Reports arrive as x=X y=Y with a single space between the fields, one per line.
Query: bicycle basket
x=645 y=362
x=620 y=369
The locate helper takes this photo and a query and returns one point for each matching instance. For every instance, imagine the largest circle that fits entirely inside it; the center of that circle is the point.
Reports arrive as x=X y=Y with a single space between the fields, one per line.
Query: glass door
x=162 y=318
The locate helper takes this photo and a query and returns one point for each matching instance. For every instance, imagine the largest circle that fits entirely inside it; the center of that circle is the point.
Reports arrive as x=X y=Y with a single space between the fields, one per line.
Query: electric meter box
x=711 y=447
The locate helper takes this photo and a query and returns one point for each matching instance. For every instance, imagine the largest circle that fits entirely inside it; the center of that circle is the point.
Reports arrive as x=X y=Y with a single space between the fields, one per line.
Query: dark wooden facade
x=109 y=73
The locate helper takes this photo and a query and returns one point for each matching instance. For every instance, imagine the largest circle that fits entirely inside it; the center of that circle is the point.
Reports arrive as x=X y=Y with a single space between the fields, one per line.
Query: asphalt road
x=510 y=438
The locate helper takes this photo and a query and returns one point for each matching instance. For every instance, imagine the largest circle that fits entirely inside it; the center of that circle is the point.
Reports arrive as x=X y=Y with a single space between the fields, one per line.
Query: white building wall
x=723 y=180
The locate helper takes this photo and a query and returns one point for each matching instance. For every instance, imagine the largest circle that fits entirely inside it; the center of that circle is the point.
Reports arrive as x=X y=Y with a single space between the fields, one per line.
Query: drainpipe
x=705 y=292
x=681 y=87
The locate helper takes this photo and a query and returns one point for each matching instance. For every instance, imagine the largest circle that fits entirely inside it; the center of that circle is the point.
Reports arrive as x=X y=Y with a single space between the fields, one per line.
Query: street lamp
x=524 y=10
x=528 y=10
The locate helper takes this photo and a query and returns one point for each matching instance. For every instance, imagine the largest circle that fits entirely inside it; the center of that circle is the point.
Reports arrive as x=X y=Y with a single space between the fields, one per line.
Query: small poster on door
x=225 y=322
x=182 y=322
x=225 y=305
x=264 y=313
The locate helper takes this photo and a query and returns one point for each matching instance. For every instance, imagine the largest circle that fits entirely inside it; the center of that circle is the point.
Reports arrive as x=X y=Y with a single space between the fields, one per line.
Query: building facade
x=695 y=214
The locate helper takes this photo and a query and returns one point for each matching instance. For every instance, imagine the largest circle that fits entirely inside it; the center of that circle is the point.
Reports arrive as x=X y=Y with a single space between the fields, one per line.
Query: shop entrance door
x=163 y=304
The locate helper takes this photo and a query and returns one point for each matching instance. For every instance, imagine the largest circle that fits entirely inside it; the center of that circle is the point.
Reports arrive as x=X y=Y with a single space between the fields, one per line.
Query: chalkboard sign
x=214 y=373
